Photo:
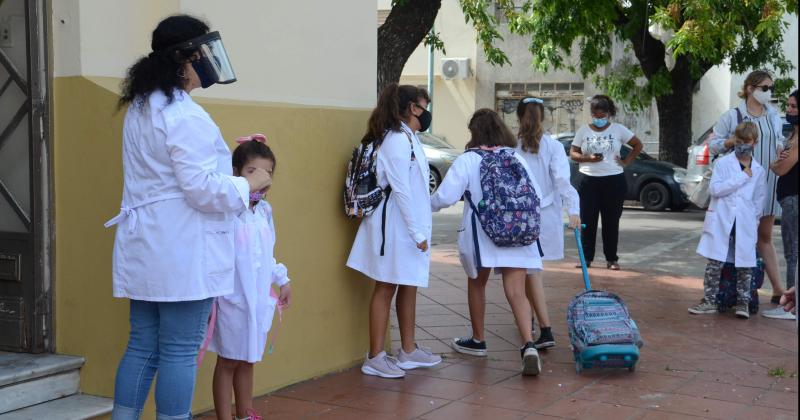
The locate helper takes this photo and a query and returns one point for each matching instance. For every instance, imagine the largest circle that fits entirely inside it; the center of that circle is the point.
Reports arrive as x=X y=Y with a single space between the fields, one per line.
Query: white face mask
x=761 y=96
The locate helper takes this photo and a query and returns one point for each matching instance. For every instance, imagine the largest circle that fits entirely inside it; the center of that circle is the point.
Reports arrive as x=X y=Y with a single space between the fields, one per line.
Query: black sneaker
x=546 y=340
x=469 y=346
x=531 y=363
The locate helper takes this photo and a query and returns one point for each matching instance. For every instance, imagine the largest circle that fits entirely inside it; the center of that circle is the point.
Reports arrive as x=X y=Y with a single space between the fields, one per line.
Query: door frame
x=38 y=14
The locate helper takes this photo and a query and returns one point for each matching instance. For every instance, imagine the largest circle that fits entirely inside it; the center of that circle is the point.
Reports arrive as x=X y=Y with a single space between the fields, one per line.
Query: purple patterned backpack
x=509 y=210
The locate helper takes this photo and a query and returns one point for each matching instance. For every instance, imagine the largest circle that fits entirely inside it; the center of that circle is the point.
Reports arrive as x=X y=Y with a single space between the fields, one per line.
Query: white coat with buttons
x=174 y=239
x=735 y=196
x=408 y=216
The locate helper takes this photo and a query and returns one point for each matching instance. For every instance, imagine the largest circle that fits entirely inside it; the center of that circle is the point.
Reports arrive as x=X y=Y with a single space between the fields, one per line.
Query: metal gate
x=25 y=301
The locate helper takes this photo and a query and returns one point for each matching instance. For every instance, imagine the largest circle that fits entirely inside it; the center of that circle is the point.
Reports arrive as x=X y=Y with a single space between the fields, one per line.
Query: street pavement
x=691 y=367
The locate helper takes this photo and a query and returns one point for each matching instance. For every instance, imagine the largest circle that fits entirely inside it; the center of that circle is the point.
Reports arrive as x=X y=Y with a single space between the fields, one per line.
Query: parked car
x=440 y=155
x=654 y=184
x=700 y=165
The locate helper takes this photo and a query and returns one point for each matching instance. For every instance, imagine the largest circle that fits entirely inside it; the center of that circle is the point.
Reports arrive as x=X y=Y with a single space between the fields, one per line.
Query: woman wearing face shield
x=173 y=251
x=757 y=108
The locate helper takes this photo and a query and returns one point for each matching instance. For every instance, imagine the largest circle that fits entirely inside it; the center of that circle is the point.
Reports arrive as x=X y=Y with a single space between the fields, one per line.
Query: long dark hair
x=530 y=117
x=487 y=129
x=161 y=68
x=391 y=110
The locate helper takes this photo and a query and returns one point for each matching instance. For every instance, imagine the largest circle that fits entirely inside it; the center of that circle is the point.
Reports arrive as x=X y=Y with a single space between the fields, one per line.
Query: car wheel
x=433 y=181
x=654 y=196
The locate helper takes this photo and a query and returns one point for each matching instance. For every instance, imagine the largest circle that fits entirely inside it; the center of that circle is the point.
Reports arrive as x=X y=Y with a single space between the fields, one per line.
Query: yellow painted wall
x=311 y=145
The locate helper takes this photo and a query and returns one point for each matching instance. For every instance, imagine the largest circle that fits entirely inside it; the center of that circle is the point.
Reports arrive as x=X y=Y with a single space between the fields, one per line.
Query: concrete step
x=75 y=407
x=31 y=379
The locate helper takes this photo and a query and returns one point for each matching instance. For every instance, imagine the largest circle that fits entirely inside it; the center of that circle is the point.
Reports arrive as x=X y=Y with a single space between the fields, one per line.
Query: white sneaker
x=382 y=365
x=420 y=357
x=777 y=313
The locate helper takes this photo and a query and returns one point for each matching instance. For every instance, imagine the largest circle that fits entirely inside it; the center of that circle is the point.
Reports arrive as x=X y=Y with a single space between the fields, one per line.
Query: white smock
x=735 y=197
x=550 y=169
x=244 y=317
x=174 y=241
x=463 y=175
x=408 y=216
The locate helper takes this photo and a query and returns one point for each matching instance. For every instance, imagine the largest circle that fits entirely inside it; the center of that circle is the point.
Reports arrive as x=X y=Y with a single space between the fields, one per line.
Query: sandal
x=612 y=265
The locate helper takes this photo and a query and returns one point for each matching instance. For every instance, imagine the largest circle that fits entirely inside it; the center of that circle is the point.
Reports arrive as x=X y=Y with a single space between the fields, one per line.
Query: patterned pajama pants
x=744 y=276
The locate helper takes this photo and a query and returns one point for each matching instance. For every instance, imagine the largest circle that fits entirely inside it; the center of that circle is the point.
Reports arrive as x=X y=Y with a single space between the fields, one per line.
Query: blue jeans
x=165 y=338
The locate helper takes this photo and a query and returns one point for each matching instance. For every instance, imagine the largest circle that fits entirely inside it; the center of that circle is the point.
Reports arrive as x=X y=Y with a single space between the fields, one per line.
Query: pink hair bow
x=253 y=137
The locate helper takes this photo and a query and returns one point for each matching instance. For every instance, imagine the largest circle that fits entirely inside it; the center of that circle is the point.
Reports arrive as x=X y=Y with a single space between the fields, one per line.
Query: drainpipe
x=430 y=79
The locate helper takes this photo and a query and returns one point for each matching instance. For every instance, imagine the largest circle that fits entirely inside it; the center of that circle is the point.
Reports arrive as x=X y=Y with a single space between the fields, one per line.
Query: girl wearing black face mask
x=786 y=168
x=391 y=246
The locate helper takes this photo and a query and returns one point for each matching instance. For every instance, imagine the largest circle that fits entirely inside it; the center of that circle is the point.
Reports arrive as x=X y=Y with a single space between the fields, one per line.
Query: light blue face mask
x=599 y=122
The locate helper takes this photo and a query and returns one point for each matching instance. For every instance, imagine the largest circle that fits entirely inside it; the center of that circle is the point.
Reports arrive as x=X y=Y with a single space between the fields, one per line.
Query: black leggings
x=602 y=196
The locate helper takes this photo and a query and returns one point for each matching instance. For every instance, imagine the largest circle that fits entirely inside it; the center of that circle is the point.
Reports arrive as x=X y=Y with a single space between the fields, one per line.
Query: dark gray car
x=440 y=155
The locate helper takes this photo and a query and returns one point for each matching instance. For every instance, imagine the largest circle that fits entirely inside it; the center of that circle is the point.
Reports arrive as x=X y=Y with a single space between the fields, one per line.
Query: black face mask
x=202 y=74
x=425 y=120
x=791 y=119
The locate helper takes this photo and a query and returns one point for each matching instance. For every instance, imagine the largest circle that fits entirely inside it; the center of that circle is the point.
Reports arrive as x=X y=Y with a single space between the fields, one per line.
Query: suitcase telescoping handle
x=582 y=257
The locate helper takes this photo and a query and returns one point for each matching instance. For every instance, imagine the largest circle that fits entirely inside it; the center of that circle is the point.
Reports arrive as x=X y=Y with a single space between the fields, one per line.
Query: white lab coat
x=244 y=317
x=463 y=175
x=734 y=197
x=408 y=216
x=174 y=241
x=550 y=168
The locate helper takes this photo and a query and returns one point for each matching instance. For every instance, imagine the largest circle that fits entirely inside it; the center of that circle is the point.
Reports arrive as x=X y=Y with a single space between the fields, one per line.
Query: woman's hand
x=285 y=297
x=574 y=221
x=259 y=180
x=423 y=246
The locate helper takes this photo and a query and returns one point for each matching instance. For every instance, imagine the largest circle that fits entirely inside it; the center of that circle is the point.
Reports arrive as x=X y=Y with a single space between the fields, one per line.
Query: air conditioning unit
x=455 y=68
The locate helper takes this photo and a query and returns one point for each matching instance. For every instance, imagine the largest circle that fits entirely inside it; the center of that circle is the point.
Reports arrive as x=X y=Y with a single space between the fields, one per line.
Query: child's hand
x=285 y=297
x=574 y=221
x=423 y=246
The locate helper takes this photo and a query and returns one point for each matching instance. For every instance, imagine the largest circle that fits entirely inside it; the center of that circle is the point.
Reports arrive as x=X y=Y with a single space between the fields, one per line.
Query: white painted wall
x=286 y=52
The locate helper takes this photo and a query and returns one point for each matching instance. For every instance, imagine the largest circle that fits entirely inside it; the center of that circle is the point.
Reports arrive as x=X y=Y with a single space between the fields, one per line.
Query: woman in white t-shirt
x=602 y=187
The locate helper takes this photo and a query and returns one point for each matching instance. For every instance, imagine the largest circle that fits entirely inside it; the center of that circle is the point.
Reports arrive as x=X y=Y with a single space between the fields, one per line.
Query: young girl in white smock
x=548 y=161
x=244 y=318
x=489 y=133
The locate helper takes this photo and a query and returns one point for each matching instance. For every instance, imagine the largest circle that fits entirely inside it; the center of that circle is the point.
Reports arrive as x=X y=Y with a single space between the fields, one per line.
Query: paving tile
x=395 y=403
x=514 y=399
x=274 y=407
x=441 y=320
x=575 y=408
x=468 y=373
x=549 y=384
x=778 y=399
x=720 y=391
x=613 y=394
x=766 y=413
x=644 y=380
x=663 y=415
x=463 y=411
x=703 y=407
x=440 y=388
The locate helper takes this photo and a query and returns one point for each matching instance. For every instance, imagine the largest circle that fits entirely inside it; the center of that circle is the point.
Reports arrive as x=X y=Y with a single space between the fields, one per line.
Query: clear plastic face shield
x=210 y=60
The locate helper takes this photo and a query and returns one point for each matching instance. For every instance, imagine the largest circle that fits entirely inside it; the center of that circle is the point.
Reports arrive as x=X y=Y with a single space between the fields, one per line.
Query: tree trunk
x=405 y=27
x=675 y=117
